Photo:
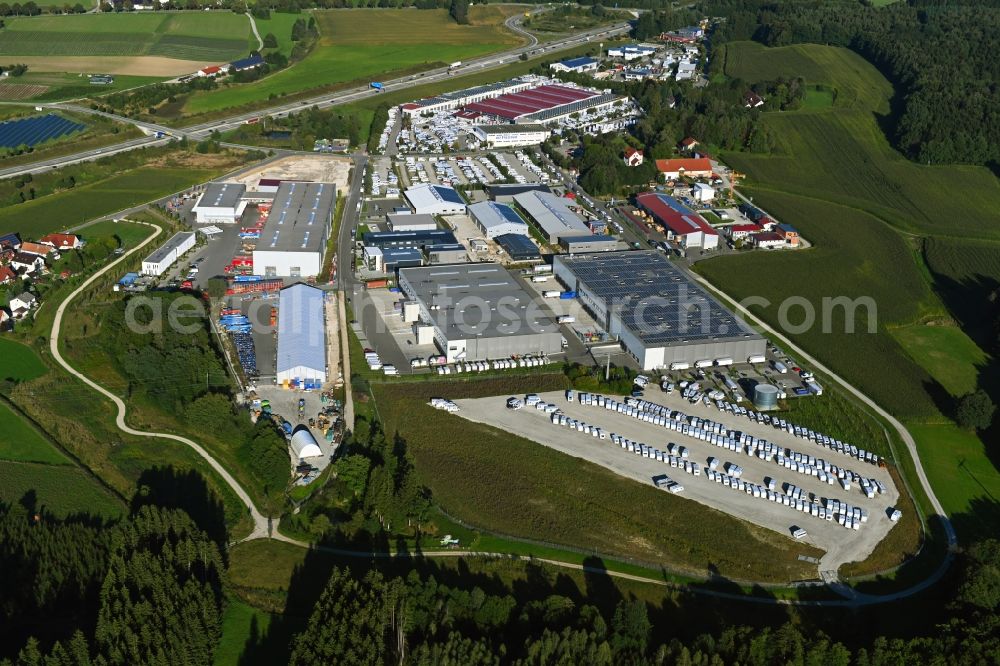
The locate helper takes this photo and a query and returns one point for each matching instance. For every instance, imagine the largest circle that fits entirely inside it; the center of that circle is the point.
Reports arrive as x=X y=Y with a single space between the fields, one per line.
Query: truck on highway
x=378 y=87
x=455 y=65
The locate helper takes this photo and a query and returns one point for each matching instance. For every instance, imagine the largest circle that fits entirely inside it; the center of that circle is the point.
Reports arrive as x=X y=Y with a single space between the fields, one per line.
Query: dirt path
x=253 y=26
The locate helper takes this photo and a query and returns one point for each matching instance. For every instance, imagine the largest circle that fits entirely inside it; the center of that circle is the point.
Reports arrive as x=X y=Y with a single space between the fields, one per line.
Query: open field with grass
x=513 y=486
x=946 y=353
x=20 y=362
x=241 y=623
x=62 y=490
x=19 y=441
x=198 y=36
x=360 y=45
x=841 y=155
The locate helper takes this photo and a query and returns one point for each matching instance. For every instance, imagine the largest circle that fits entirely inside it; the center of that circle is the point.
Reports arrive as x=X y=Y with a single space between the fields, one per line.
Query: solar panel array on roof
x=300 y=217
x=654 y=299
x=515 y=105
x=573 y=107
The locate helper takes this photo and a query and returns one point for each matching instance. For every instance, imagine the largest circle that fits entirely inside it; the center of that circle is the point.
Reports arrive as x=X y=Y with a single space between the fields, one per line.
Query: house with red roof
x=633 y=157
x=741 y=231
x=687 y=144
x=62 y=241
x=691 y=167
x=39 y=249
x=213 y=70
x=767 y=240
x=7 y=275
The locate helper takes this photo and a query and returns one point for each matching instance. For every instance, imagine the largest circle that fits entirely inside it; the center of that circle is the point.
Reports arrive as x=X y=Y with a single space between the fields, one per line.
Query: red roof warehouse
x=514 y=105
x=679 y=220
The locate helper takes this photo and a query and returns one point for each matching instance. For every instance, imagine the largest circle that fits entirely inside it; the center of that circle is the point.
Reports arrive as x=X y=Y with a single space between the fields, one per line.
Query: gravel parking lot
x=841 y=545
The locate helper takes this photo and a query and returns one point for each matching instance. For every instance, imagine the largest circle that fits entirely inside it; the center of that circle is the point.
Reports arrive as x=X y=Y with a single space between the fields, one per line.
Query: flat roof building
x=655 y=309
x=418 y=239
x=446 y=253
x=435 y=200
x=495 y=219
x=301 y=357
x=164 y=257
x=294 y=237
x=552 y=214
x=391 y=259
x=479 y=312
x=221 y=203
x=508 y=136
x=410 y=222
x=518 y=247
x=505 y=192
x=588 y=243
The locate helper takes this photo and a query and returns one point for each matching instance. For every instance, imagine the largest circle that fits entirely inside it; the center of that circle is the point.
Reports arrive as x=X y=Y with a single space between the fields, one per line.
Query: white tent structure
x=304 y=444
x=301 y=337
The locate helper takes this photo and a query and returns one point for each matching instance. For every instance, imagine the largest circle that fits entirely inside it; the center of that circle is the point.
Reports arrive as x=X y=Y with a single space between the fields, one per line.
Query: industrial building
x=552 y=214
x=543 y=104
x=430 y=199
x=417 y=239
x=303 y=444
x=221 y=203
x=410 y=222
x=479 y=312
x=659 y=314
x=630 y=52
x=505 y=192
x=679 y=222
x=459 y=98
x=518 y=247
x=164 y=257
x=576 y=65
x=301 y=357
x=446 y=253
x=391 y=259
x=588 y=243
x=295 y=234
x=495 y=219
x=510 y=136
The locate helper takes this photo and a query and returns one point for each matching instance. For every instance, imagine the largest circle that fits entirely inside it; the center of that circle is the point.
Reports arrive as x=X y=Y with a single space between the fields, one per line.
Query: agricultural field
x=359 y=45
x=19 y=441
x=513 y=486
x=188 y=39
x=61 y=490
x=20 y=363
x=946 y=353
x=840 y=154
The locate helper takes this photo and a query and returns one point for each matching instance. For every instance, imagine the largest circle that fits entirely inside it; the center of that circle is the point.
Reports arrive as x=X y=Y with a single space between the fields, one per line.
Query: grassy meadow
x=914 y=238
x=61 y=490
x=359 y=45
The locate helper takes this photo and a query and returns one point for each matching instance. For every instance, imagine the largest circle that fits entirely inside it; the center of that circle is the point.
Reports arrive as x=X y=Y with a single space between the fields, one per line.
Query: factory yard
x=310 y=168
x=842 y=545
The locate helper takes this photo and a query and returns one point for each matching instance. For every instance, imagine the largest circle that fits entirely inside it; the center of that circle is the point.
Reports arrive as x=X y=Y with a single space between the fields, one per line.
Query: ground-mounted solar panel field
x=33 y=131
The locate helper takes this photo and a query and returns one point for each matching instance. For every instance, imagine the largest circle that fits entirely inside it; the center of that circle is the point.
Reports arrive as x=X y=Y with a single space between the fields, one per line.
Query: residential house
x=62 y=241
x=767 y=240
x=27 y=263
x=21 y=305
x=741 y=231
x=44 y=251
x=7 y=276
x=633 y=157
x=687 y=144
x=5 y=321
x=752 y=100
x=10 y=242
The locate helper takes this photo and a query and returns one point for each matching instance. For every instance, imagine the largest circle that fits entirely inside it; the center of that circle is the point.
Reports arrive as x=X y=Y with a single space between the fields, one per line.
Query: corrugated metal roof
x=301 y=333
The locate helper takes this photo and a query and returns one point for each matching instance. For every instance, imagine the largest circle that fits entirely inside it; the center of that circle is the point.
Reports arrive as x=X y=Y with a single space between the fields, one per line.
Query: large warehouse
x=221 y=203
x=679 y=221
x=301 y=337
x=495 y=219
x=294 y=237
x=520 y=105
x=552 y=214
x=164 y=257
x=434 y=200
x=509 y=136
x=659 y=314
x=479 y=312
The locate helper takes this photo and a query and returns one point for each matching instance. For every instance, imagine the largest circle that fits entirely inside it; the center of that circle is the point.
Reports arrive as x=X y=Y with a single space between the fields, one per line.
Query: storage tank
x=765 y=396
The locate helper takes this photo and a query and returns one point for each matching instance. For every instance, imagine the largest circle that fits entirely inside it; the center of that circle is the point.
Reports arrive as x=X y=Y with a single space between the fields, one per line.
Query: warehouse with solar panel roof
x=656 y=310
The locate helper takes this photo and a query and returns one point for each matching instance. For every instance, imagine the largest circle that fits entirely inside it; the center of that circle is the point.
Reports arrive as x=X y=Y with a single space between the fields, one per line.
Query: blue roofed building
x=435 y=200
x=577 y=65
x=301 y=357
x=253 y=61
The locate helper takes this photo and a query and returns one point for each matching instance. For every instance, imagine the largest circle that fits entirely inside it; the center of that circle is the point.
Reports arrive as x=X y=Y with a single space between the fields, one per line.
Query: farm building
x=461 y=302
x=679 y=221
x=518 y=247
x=495 y=219
x=435 y=200
x=254 y=61
x=656 y=310
x=164 y=257
x=505 y=192
x=62 y=241
x=294 y=237
x=767 y=240
x=301 y=357
x=588 y=243
x=575 y=65
x=446 y=253
x=221 y=203
x=691 y=167
x=552 y=214
x=417 y=239
x=508 y=136
x=410 y=222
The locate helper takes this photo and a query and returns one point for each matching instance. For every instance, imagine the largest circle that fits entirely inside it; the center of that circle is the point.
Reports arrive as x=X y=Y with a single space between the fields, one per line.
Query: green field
x=207 y=36
x=358 y=45
x=62 y=490
x=20 y=362
x=864 y=207
x=520 y=488
x=840 y=154
x=21 y=442
x=240 y=623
